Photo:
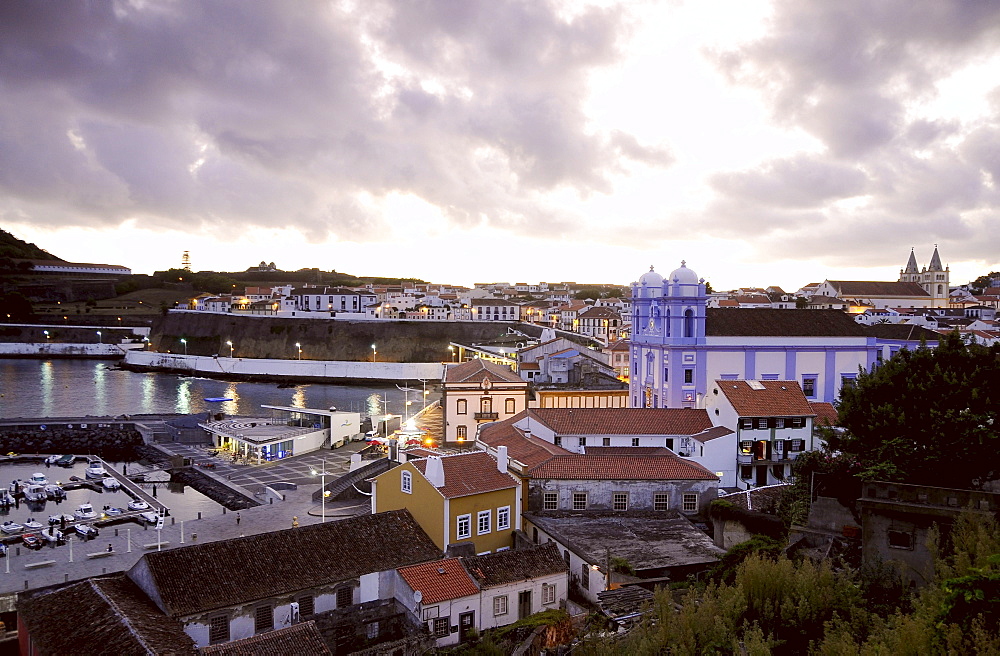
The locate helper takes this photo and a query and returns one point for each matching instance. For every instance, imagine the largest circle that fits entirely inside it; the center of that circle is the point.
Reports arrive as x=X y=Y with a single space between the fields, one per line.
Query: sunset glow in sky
x=766 y=143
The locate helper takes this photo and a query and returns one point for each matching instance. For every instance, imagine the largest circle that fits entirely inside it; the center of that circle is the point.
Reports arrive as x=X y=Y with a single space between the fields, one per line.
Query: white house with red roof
x=479 y=391
x=773 y=421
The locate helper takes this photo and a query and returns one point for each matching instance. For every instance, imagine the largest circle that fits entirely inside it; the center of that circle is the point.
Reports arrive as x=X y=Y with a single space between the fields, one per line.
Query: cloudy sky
x=462 y=141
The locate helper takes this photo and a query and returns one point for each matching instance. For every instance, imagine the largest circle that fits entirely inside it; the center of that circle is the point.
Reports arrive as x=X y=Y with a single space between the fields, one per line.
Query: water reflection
x=183 y=403
x=229 y=407
x=299 y=397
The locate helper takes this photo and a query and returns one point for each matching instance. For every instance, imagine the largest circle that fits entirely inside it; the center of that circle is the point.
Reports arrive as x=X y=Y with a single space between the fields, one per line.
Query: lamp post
x=100 y=340
x=230 y=343
x=185 y=343
x=373 y=353
x=299 y=347
x=323 y=492
x=452 y=349
x=47 y=335
x=145 y=342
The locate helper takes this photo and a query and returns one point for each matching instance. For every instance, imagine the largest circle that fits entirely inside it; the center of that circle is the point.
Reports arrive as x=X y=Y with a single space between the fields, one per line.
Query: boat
x=38 y=478
x=149 y=517
x=6 y=499
x=110 y=483
x=35 y=493
x=55 y=519
x=66 y=461
x=15 y=486
x=53 y=459
x=217 y=399
x=33 y=525
x=55 y=491
x=31 y=541
x=113 y=511
x=95 y=470
x=138 y=504
x=86 y=511
x=85 y=531
x=53 y=535
x=11 y=527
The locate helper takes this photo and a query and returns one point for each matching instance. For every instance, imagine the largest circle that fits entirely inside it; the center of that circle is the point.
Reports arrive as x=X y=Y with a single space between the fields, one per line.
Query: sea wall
x=112 y=441
x=279 y=370
x=63 y=350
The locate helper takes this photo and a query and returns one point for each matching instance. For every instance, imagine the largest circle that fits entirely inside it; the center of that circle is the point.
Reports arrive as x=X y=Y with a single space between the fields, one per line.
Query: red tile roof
x=628 y=450
x=529 y=451
x=622 y=467
x=777 y=397
x=512 y=566
x=470 y=473
x=622 y=421
x=439 y=580
x=303 y=638
x=826 y=414
x=476 y=370
x=712 y=433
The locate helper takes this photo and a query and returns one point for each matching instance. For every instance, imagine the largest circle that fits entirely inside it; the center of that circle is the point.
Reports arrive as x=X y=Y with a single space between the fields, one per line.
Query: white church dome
x=683 y=275
x=651 y=279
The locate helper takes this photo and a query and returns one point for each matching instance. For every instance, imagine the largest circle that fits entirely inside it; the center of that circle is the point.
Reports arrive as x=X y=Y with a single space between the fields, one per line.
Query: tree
x=982 y=282
x=927 y=416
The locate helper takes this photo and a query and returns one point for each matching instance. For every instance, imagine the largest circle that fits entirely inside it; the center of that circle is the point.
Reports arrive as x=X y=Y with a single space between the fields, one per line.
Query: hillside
x=12 y=247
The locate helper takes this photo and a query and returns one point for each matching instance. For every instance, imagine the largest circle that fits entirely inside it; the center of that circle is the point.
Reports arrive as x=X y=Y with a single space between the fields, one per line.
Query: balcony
x=486 y=416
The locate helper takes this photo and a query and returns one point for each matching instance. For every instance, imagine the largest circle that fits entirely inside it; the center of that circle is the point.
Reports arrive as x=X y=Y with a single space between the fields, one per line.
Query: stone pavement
x=25 y=568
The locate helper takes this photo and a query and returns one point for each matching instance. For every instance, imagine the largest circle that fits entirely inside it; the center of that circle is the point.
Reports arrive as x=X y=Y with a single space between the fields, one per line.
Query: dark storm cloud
x=266 y=113
x=856 y=76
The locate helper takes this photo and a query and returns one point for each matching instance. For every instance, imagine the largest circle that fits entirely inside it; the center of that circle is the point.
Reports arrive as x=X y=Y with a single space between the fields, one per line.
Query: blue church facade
x=679 y=346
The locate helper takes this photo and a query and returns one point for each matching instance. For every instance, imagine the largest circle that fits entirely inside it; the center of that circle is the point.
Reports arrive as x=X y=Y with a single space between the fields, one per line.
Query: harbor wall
x=65 y=350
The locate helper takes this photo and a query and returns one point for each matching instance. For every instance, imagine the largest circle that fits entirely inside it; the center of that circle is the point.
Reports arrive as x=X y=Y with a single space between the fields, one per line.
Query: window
x=462 y=432
x=585 y=576
x=345 y=596
x=441 y=628
x=218 y=629
x=503 y=518
x=606 y=441
x=746 y=423
x=263 y=619
x=797 y=445
x=557 y=440
x=548 y=593
x=900 y=539
x=809 y=386
x=550 y=501
x=464 y=527
x=746 y=447
x=689 y=375
x=461 y=407
x=307 y=606
x=371 y=630
x=797 y=422
x=635 y=441
x=847 y=380
x=762 y=423
x=483 y=520
x=500 y=605
x=619 y=500
x=779 y=422
x=509 y=406
x=579 y=501
x=661 y=501
x=746 y=472
x=406 y=482
x=666 y=375
x=486 y=405
x=583 y=441
x=690 y=503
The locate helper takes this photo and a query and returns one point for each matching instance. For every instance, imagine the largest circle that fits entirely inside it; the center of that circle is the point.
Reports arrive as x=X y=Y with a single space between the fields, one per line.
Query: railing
x=486 y=416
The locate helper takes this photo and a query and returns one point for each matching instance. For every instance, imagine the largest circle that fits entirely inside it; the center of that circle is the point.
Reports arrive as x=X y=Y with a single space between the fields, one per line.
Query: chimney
x=435 y=471
x=502 y=459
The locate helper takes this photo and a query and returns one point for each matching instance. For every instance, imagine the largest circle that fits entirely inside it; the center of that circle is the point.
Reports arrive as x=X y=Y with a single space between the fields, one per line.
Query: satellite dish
x=418 y=596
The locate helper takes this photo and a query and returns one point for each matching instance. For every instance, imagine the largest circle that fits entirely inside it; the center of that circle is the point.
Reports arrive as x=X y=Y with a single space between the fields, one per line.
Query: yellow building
x=463 y=498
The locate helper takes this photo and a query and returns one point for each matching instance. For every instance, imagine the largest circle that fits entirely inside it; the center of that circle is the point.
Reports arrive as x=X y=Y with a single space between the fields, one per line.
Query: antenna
x=186 y=261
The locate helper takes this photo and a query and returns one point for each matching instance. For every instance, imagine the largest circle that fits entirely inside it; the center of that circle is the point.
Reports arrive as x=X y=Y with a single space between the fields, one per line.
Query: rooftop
x=469 y=473
x=622 y=421
x=661 y=467
x=502 y=567
x=765 y=398
x=439 y=581
x=721 y=322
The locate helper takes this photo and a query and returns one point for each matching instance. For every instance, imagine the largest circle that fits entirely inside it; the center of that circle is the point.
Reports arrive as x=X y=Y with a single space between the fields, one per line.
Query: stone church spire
x=911 y=264
x=935 y=264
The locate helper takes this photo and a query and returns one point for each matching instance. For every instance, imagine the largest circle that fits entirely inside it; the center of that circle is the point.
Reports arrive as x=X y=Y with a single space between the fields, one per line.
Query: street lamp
x=146 y=340
x=230 y=343
x=373 y=353
x=185 y=343
x=299 y=347
x=47 y=335
x=100 y=340
x=324 y=494
x=452 y=349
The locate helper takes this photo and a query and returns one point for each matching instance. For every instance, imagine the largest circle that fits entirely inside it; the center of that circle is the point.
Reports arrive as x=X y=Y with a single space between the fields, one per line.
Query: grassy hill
x=12 y=247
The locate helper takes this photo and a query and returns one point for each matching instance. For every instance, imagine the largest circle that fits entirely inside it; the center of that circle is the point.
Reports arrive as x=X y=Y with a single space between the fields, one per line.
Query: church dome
x=683 y=275
x=651 y=278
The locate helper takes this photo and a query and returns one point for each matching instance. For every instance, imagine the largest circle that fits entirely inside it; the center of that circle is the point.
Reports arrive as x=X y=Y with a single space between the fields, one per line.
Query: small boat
x=86 y=511
x=95 y=470
x=53 y=535
x=35 y=493
x=38 y=478
x=66 y=461
x=55 y=519
x=33 y=525
x=149 y=517
x=113 y=511
x=31 y=541
x=15 y=486
x=53 y=459
x=217 y=399
x=55 y=491
x=138 y=504
x=85 y=531
x=6 y=499
x=110 y=483
x=11 y=527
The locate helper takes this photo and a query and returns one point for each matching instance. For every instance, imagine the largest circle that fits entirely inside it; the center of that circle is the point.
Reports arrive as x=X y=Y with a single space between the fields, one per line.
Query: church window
x=689 y=375
x=688 y=323
x=940 y=289
x=809 y=387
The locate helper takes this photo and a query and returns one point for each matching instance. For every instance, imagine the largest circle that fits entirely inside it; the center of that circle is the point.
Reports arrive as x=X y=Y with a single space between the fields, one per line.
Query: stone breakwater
x=117 y=443
x=211 y=488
